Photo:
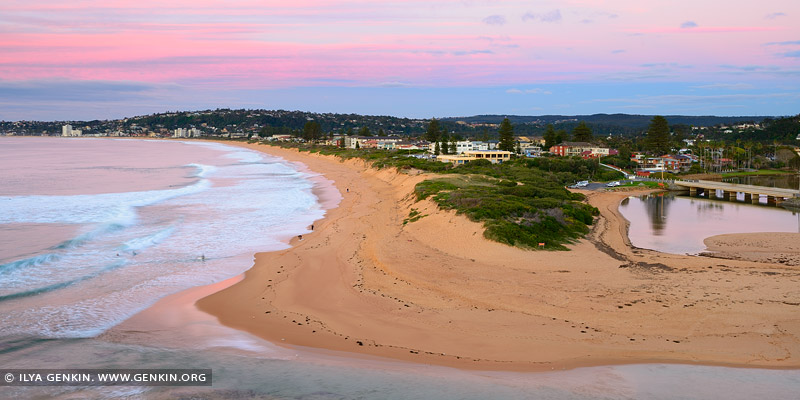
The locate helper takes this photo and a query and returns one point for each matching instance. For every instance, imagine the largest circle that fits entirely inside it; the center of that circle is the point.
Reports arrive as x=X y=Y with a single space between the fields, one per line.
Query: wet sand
x=769 y=247
x=435 y=291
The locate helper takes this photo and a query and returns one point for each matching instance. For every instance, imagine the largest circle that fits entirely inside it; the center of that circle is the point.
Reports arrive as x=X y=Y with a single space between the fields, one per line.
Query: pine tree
x=561 y=136
x=506 y=136
x=444 y=147
x=432 y=134
x=658 y=135
x=550 y=137
x=312 y=131
x=453 y=145
x=582 y=133
x=436 y=149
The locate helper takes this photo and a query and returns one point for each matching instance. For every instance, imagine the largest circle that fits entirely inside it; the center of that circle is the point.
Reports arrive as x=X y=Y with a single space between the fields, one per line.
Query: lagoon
x=679 y=224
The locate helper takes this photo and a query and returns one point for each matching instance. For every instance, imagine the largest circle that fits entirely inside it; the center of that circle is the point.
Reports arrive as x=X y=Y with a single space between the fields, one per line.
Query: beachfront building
x=407 y=145
x=471 y=145
x=456 y=160
x=371 y=142
x=494 y=156
x=186 y=133
x=581 y=149
x=280 y=138
x=66 y=130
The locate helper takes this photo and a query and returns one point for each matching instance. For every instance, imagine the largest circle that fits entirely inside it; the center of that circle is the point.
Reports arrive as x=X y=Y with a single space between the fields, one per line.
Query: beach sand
x=435 y=291
x=769 y=247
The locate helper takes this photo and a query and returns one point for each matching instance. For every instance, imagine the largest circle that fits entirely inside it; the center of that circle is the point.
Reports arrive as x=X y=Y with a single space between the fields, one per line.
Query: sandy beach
x=435 y=291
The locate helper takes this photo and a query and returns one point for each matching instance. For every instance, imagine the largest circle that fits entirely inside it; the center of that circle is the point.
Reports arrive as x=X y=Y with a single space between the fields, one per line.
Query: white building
x=67 y=130
x=494 y=157
x=463 y=146
x=186 y=133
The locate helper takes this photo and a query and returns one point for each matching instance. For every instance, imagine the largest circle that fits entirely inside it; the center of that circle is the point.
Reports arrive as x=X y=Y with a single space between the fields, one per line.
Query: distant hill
x=629 y=121
x=269 y=122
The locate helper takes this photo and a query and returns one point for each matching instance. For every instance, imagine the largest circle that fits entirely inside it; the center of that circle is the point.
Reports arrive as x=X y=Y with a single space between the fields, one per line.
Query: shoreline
x=367 y=295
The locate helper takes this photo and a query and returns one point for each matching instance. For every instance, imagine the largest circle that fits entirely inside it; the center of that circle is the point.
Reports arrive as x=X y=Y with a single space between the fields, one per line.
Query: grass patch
x=413 y=216
x=644 y=184
x=756 y=173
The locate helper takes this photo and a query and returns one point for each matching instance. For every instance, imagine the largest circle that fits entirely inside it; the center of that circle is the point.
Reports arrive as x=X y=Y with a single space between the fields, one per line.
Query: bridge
x=752 y=194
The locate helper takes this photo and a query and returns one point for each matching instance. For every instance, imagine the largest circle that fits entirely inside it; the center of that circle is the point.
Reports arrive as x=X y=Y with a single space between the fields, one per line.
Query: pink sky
x=251 y=45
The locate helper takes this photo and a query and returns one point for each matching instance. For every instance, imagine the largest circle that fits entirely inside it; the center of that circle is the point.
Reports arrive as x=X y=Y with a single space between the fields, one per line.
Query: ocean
x=93 y=231
x=96 y=230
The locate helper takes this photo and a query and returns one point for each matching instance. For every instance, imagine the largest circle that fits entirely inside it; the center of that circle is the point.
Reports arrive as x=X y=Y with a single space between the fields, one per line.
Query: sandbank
x=435 y=291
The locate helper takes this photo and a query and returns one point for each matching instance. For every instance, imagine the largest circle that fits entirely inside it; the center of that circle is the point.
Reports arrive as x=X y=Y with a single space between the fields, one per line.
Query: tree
x=312 y=131
x=380 y=132
x=453 y=145
x=550 y=137
x=561 y=136
x=437 y=150
x=444 y=147
x=364 y=131
x=433 y=132
x=506 y=136
x=582 y=133
x=658 y=135
x=624 y=153
x=518 y=149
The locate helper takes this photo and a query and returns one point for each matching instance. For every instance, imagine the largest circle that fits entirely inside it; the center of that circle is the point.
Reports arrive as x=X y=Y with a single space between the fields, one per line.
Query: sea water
x=133 y=221
x=92 y=231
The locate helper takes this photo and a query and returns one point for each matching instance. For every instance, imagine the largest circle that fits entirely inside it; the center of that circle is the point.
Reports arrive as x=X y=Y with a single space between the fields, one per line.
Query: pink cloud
x=699 y=29
x=271 y=43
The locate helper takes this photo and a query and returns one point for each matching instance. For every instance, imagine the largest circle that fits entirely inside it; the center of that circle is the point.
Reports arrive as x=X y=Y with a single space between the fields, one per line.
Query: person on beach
x=312 y=227
x=300 y=237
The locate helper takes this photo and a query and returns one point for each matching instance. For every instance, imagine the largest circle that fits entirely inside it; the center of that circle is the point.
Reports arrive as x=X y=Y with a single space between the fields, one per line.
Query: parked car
x=613 y=184
x=582 y=184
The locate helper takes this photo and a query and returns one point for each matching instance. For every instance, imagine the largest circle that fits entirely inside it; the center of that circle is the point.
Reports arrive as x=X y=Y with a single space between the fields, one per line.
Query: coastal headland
x=435 y=291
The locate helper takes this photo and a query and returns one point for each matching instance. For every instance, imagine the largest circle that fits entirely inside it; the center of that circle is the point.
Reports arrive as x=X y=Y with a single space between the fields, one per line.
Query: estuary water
x=679 y=224
x=94 y=230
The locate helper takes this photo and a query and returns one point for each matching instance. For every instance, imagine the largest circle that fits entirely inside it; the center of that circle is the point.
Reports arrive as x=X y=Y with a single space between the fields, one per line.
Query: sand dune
x=435 y=291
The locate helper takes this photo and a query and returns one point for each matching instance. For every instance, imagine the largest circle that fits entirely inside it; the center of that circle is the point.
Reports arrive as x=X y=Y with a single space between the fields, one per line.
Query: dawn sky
x=113 y=58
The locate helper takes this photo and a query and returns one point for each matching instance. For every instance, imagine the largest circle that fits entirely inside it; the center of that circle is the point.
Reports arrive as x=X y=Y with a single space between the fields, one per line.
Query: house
x=663 y=163
x=536 y=140
x=685 y=161
x=534 y=151
x=528 y=147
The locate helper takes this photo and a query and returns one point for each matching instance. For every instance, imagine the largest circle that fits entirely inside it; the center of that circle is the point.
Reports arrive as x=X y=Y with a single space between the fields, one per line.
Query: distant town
x=711 y=143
